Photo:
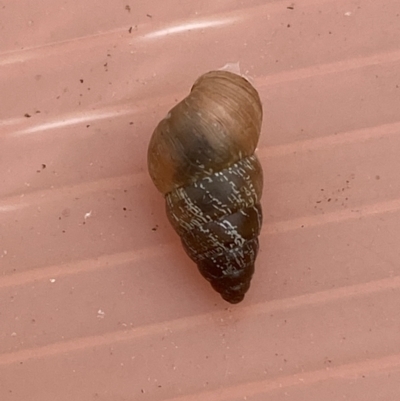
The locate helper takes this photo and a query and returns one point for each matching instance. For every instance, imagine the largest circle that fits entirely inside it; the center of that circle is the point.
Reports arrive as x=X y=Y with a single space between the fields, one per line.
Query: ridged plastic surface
x=98 y=301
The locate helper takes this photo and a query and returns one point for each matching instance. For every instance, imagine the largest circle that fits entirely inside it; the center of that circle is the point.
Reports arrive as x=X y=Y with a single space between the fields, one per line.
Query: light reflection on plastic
x=73 y=120
x=189 y=27
x=10 y=208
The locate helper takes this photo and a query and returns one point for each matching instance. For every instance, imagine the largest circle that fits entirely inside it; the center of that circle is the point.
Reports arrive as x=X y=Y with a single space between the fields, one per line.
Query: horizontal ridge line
x=185 y=323
x=251 y=389
x=110 y=261
x=365 y=134
x=13 y=56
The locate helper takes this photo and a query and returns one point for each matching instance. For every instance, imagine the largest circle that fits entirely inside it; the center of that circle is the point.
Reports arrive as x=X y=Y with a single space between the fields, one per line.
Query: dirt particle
x=43 y=167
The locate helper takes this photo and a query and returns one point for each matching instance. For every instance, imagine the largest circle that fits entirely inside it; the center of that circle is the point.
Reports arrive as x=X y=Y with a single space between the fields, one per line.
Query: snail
x=201 y=158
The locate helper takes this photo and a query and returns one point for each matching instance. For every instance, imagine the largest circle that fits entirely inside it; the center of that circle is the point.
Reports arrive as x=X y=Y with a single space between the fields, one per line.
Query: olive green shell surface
x=201 y=157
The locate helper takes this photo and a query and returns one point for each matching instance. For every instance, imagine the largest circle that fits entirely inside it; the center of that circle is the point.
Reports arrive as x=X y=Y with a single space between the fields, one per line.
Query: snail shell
x=201 y=157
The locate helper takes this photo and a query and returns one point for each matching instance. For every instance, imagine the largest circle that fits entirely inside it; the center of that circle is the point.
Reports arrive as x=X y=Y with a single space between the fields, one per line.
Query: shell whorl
x=201 y=157
x=215 y=126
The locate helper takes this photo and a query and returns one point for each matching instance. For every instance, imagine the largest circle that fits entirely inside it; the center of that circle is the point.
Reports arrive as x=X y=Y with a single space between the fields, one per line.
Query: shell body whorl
x=201 y=157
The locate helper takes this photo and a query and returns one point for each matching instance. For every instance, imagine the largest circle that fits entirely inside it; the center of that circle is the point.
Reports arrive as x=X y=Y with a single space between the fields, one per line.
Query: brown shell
x=201 y=157
x=216 y=125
